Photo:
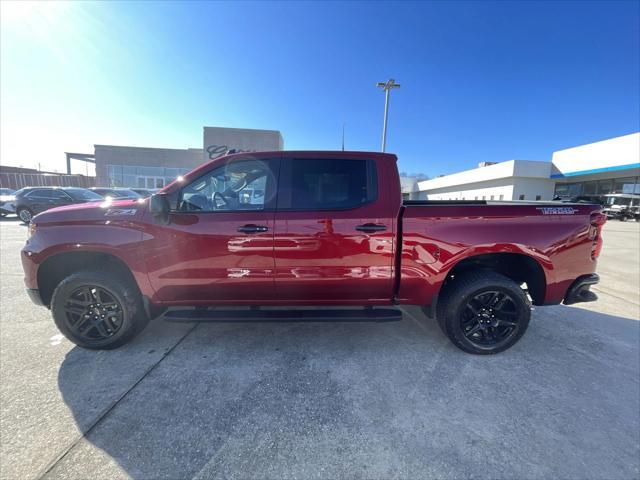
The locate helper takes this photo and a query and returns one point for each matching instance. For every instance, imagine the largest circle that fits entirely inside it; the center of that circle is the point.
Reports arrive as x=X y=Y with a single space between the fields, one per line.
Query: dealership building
x=608 y=166
x=122 y=166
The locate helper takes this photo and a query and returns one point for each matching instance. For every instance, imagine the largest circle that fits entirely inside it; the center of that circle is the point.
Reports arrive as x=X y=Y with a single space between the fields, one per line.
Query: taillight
x=598 y=219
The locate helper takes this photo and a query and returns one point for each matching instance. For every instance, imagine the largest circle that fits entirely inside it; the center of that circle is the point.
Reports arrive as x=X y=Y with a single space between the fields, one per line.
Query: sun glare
x=31 y=14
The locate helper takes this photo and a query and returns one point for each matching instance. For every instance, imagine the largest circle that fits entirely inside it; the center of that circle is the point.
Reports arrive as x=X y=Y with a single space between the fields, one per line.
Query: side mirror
x=159 y=207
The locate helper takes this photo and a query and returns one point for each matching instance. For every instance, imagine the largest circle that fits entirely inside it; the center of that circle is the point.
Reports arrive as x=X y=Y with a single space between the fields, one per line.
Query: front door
x=333 y=232
x=218 y=245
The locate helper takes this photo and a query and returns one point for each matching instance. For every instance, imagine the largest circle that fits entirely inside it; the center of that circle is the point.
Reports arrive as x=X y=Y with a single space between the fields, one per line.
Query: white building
x=609 y=166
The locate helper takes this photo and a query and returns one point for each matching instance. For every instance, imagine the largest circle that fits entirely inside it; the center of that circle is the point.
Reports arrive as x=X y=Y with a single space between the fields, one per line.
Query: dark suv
x=32 y=200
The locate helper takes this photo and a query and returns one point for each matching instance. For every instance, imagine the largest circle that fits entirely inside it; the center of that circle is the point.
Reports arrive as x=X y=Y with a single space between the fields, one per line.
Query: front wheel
x=98 y=310
x=483 y=312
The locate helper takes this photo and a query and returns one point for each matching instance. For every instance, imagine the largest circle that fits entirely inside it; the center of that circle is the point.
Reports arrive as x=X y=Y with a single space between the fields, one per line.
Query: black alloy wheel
x=483 y=312
x=93 y=313
x=489 y=319
x=99 y=310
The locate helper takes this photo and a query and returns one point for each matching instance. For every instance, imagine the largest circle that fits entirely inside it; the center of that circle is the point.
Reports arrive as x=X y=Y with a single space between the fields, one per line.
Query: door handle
x=371 y=227
x=251 y=228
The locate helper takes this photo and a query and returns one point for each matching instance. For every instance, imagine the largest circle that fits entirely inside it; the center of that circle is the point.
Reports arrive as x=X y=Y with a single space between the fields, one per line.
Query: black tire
x=623 y=218
x=118 y=302
x=483 y=312
x=25 y=214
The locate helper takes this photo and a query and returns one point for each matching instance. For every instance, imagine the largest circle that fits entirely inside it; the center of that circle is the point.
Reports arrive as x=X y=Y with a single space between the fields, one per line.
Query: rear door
x=333 y=240
x=40 y=199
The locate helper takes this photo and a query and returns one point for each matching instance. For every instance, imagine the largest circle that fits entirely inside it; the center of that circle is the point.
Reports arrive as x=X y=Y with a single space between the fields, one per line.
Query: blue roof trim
x=596 y=170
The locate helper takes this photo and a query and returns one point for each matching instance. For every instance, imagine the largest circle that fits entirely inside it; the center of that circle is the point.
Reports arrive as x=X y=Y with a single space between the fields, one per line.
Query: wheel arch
x=59 y=266
x=518 y=266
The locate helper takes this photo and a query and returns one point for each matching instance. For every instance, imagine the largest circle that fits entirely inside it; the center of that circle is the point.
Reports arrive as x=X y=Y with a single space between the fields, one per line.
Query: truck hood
x=94 y=211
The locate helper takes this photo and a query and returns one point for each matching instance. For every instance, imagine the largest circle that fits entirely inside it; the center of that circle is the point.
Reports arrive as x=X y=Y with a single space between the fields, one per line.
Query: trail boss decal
x=121 y=211
x=557 y=210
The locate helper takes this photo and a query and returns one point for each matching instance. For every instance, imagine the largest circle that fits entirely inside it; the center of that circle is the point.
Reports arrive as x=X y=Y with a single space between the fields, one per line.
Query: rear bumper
x=34 y=295
x=579 y=290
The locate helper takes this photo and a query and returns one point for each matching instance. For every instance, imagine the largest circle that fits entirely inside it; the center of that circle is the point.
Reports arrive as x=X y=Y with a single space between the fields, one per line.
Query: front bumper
x=579 y=290
x=7 y=208
x=34 y=295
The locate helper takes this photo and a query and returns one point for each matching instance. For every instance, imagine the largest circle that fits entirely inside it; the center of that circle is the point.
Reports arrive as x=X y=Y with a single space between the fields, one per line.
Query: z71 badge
x=557 y=210
x=121 y=211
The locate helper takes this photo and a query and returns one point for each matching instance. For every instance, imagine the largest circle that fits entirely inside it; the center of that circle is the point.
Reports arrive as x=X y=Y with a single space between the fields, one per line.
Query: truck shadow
x=364 y=400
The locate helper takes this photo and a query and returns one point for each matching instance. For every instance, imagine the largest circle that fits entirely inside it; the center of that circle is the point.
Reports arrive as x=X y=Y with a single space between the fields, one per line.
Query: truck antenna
x=343 y=136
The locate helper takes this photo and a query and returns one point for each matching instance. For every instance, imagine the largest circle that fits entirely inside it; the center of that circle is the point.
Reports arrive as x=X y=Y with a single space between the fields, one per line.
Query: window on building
x=142 y=176
x=589 y=188
x=521 y=197
x=624 y=185
x=568 y=189
x=605 y=186
x=475 y=198
x=501 y=197
x=484 y=197
x=491 y=197
x=538 y=197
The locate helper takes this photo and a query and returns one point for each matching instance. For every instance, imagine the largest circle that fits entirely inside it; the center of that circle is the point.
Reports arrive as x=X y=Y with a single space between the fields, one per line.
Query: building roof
x=510 y=168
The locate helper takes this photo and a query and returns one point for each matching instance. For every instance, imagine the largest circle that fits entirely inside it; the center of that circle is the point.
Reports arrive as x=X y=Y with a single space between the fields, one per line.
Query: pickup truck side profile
x=308 y=229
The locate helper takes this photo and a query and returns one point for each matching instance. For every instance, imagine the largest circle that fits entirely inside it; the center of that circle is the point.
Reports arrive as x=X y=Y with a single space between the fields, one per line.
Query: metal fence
x=16 y=181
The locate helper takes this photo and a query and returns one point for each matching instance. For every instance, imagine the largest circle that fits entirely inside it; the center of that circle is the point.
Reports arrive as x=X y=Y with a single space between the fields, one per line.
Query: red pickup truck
x=308 y=228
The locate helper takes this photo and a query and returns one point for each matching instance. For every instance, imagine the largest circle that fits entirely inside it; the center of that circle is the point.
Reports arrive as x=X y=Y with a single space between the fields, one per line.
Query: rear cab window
x=326 y=184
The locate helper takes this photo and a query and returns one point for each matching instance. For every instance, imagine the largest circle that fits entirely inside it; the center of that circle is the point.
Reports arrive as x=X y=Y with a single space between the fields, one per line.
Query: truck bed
x=557 y=236
x=430 y=203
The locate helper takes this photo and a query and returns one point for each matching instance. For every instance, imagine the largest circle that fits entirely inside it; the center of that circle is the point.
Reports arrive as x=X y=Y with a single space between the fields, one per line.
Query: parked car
x=7 y=201
x=116 y=193
x=308 y=228
x=145 y=192
x=623 y=206
x=33 y=200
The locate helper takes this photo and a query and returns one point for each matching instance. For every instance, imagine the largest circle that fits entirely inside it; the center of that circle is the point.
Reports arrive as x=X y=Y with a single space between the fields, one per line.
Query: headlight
x=32 y=229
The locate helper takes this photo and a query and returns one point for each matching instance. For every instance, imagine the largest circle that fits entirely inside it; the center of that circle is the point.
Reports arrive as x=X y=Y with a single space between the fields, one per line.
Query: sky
x=480 y=81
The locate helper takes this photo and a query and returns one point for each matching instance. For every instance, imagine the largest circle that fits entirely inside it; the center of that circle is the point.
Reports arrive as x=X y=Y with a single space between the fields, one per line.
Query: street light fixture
x=387 y=88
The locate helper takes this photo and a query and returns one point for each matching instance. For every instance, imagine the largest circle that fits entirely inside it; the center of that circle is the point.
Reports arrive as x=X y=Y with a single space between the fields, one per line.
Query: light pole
x=387 y=89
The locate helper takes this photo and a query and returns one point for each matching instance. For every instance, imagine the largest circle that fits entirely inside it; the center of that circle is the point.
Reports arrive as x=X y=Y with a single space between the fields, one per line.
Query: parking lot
x=326 y=399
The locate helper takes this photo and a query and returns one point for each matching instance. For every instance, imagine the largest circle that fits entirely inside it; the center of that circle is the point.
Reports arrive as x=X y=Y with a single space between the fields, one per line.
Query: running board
x=257 y=315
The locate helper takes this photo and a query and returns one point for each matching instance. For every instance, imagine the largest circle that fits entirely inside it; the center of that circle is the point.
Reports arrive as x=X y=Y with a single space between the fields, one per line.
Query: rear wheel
x=483 y=312
x=98 y=310
x=25 y=214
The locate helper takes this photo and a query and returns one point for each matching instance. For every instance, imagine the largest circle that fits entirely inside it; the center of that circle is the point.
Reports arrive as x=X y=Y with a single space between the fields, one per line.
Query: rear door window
x=40 y=193
x=327 y=184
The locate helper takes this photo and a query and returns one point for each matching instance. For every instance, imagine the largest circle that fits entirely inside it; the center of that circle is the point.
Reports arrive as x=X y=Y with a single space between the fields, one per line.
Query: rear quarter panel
x=435 y=238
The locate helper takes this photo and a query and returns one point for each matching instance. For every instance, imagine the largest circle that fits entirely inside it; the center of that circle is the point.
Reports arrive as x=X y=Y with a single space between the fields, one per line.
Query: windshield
x=6 y=191
x=124 y=193
x=82 y=194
